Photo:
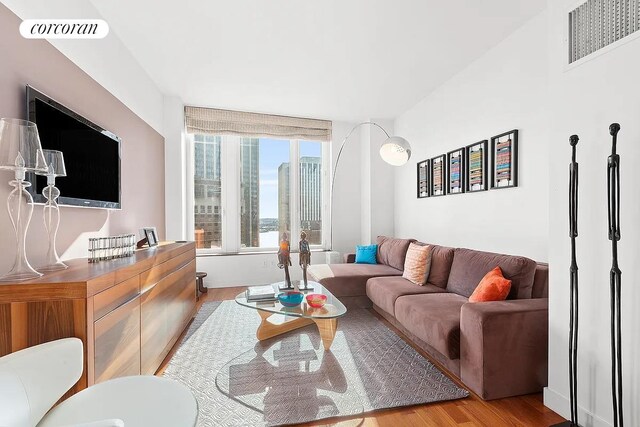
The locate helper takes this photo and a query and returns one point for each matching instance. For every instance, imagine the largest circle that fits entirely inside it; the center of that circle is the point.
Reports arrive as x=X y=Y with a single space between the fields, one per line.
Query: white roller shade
x=225 y=122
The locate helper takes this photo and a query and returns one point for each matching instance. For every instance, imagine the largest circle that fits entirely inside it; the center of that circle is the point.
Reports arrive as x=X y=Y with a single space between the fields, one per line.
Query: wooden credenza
x=128 y=312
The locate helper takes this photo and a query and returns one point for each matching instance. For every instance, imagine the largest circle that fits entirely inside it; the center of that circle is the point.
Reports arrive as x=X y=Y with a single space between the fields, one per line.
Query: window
x=251 y=196
x=310 y=206
x=207 y=190
x=264 y=186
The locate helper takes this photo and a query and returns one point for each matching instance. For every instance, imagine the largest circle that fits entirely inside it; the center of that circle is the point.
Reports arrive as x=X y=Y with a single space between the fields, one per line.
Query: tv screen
x=91 y=155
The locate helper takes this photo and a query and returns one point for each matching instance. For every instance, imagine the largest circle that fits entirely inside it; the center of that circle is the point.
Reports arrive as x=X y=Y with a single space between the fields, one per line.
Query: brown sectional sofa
x=498 y=349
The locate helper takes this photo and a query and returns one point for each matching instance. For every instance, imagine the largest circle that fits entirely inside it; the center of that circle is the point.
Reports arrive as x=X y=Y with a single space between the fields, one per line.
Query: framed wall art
x=477 y=156
x=504 y=160
x=456 y=171
x=438 y=174
x=423 y=179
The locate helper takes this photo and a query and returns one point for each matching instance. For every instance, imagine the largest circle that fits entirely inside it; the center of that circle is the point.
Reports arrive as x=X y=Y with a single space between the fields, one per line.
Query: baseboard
x=560 y=404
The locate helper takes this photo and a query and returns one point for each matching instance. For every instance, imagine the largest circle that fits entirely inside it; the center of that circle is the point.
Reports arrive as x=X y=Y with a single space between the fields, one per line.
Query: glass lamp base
x=20 y=275
x=53 y=267
x=20 y=207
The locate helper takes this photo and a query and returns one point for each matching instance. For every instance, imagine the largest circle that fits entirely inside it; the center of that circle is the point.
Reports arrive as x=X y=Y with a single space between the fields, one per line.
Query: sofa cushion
x=417 y=263
x=392 y=251
x=541 y=281
x=434 y=318
x=469 y=267
x=347 y=280
x=441 y=259
x=384 y=291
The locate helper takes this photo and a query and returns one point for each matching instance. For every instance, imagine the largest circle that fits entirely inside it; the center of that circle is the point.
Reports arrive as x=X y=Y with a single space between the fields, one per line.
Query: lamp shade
x=396 y=151
x=55 y=163
x=20 y=146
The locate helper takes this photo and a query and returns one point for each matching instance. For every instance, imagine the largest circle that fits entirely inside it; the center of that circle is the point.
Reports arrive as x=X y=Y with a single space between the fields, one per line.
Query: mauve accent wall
x=38 y=63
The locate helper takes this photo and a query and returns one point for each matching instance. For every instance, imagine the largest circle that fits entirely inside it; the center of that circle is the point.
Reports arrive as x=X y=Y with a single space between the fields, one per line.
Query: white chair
x=34 y=379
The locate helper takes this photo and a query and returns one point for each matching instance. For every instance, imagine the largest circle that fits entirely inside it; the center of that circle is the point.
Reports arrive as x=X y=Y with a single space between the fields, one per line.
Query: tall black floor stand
x=573 y=276
x=615 y=276
x=573 y=291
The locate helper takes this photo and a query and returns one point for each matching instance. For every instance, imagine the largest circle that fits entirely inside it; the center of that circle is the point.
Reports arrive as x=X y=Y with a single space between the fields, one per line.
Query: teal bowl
x=290 y=299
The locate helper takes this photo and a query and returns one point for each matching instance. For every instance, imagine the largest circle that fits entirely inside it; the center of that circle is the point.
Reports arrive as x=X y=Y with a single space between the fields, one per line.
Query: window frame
x=230 y=199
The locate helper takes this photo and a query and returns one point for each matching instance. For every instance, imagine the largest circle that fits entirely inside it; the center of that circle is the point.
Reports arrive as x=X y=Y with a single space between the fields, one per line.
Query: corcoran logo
x=64 y=29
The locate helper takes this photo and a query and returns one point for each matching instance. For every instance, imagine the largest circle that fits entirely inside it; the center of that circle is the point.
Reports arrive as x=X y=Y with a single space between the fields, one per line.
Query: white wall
x=252 y=269
x=505 y=89
x=525 y=83
x=365 y=180
x=348 y=188
x=175 y=179
x=377 y=183
x=107 y=61
x=586 y=100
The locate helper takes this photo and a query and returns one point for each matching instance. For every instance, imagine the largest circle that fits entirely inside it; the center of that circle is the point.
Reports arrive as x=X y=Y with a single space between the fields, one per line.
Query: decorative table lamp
x=55 y=162
x=20 y=151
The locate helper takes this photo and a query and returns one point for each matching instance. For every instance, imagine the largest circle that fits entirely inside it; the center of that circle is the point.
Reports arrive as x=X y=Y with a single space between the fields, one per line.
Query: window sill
x=204 y=253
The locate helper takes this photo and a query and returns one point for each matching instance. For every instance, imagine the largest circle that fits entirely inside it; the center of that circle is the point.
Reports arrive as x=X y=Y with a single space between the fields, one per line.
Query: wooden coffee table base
x=269 y=329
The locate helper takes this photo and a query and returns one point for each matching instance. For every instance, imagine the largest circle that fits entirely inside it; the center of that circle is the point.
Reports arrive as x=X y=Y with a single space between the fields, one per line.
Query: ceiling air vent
x=599 y=23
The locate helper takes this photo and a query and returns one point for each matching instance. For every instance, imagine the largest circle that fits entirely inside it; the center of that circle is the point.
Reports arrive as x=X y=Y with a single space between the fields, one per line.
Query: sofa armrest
x=503 y=347
x=349 y=258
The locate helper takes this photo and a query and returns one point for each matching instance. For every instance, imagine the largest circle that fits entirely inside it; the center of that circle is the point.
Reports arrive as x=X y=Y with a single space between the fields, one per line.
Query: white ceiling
x=334 y=59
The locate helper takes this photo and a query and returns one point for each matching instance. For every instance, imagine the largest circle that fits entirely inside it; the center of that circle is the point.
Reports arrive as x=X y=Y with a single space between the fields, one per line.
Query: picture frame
x=423 y=175
x=504 y=160
x=477 y=165
x=456 y=173
x=437 y=179
x=151 y=235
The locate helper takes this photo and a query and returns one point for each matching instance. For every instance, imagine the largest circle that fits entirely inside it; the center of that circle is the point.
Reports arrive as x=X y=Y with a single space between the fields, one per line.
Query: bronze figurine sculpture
x=615 y=275
x=305 y=258
x=284 y=259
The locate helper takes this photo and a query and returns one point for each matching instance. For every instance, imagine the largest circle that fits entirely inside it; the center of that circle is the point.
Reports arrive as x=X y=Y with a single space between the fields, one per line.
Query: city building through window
x=258 y=187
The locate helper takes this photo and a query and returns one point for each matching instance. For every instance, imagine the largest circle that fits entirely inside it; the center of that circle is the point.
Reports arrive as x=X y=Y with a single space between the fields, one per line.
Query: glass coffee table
x=278 y=319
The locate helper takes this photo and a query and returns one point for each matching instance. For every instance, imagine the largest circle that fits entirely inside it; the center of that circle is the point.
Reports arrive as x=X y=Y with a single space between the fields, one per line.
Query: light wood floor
x=514 y=411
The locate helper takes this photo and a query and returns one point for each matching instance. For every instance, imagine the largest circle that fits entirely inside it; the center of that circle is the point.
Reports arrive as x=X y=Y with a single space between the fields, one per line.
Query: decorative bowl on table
x=316 y=300
x=291 y=298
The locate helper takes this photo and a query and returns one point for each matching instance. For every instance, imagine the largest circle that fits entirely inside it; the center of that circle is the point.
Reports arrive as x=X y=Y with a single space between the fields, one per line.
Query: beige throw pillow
x=417 y=264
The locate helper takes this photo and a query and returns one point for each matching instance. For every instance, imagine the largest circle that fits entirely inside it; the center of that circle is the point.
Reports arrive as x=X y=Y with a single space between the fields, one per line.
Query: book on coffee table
x=261 y=293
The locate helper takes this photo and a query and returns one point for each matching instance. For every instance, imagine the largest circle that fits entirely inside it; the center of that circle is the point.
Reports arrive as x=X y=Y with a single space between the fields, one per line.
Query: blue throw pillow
x=366 y=254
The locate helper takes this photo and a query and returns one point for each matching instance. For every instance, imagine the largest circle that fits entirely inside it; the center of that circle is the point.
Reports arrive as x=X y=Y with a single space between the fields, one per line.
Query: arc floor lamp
x=395 y=151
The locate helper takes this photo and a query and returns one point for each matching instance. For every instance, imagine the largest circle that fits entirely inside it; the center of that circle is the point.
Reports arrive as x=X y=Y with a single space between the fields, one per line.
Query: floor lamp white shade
x=396 y=151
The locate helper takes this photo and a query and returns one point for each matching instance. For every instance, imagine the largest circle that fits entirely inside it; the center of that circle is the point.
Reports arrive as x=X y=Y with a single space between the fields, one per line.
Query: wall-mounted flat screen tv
x=91 y=155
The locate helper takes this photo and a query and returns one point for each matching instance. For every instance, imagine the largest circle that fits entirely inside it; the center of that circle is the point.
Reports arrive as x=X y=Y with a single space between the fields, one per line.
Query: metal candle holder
x=113 y=247
x=615 y=275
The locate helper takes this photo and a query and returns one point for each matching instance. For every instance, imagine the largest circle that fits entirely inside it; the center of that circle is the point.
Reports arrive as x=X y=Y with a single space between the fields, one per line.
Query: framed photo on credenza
x=477 y=159
x=423 y=179
x=504 y=160
x=438 y=176
x=456 y=171
x=151 y=235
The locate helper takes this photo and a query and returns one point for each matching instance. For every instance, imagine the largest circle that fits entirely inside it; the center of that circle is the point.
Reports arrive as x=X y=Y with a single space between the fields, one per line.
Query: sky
x=273 y=153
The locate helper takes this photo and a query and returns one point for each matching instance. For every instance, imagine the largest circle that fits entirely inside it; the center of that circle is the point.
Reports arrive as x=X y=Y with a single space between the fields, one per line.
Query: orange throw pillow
x=492 y=287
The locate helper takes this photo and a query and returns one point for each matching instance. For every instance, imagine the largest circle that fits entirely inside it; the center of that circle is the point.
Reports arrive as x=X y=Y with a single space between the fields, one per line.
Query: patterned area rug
x=239 y=381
